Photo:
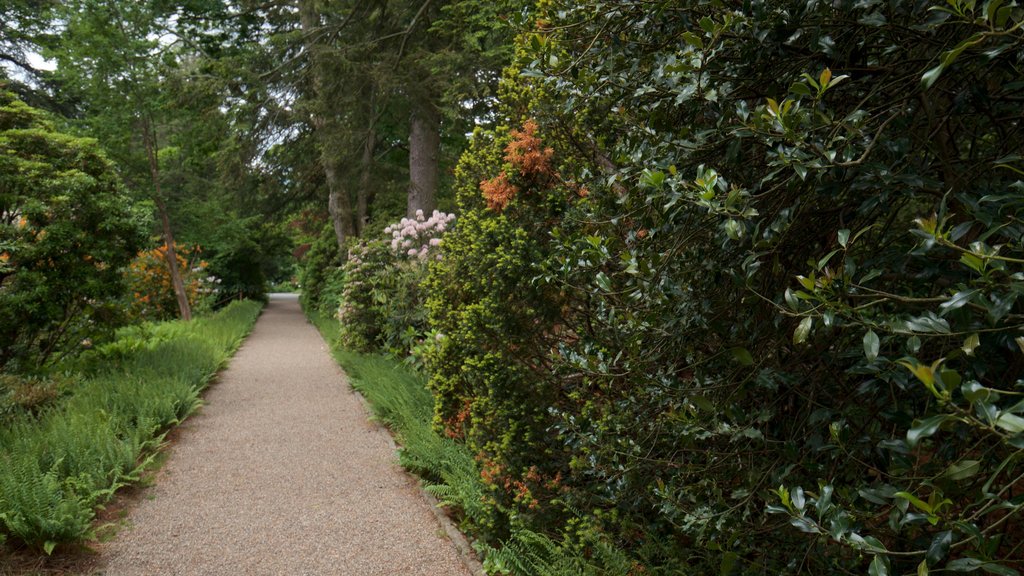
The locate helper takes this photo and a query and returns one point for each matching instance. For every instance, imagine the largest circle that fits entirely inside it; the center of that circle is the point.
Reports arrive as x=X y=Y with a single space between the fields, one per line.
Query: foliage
x=55 y=468
x=776 y=245
x=358 y=311
x=66 y=230
x=31 y=394
x=320 y=274
x=495 y=327
x=149 y=284
x=382 y=303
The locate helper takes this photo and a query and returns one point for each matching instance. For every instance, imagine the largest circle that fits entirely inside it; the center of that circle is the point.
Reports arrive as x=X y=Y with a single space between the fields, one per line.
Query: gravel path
x=281 y=473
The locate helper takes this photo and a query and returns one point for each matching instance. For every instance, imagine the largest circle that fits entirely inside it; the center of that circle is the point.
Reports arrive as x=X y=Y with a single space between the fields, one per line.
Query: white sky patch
x=39 y=63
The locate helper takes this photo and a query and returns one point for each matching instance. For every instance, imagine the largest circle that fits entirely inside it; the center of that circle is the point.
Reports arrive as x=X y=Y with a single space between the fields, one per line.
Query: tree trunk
x=326 y=127
x=424 y=150
x=364 y=196
x=177 y=283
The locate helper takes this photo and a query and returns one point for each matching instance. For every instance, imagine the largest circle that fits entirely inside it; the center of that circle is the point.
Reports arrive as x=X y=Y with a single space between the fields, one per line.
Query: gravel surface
x=281 y=473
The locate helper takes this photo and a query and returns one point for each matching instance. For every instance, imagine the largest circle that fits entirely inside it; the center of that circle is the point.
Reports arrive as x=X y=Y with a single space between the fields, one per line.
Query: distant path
x=280 y=473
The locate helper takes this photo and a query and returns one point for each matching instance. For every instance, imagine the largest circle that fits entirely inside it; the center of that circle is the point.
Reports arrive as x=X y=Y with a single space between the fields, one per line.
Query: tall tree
x=114 y=54
x=327 y=118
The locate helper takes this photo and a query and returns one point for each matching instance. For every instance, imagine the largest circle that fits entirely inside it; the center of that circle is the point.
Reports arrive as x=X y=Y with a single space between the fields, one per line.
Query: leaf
x=873 y=19
x=798 y=498
x=806 y=282
x=729 y=560
x=972 y=564
x=48 y=547
x=871 y=344
x=926 y=374
x=957 y=301
x=790 y=299
x=939 y=547
x=879 y=566
x=800 y=88
x=973 y=391
x=802 y=330
x=742 y=355
x=825 y=78
x=693 y=40
x=928 y=325
x=973 y=262
x=843 y=236
x=971 y=343
x=824 y=260
x=1010 y=422
x=991 y=9
x=993 y=568
x=653 y=178
x=962 y=470
x=604 y=282
x=917 y=502
x=927 y=427
x=929 y=77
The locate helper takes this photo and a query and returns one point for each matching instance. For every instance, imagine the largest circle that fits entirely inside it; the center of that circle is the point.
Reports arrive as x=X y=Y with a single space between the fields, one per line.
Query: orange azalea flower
x=526 y=153
x=498 y=192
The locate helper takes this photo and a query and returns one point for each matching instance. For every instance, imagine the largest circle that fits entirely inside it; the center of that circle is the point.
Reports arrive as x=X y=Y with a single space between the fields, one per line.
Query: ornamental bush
x=382 y=303
x=758 y=310
x=66 y=231
x=149 y=284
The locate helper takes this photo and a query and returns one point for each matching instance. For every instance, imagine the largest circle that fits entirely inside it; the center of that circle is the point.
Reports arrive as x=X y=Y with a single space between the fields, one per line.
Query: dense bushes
x=66 y=230
x=58 y=464
x=382 y=300
x=150 y=296
x=775 y=246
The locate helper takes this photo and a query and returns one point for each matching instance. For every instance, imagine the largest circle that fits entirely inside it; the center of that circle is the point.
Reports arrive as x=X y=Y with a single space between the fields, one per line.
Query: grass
x=57 y=466
x=400 y=399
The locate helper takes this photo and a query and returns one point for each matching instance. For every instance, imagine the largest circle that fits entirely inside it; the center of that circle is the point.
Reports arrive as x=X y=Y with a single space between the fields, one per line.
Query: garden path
x=281 y=473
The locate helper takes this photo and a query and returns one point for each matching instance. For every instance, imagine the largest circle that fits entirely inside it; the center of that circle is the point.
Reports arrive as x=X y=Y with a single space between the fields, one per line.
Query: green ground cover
x=58 y=463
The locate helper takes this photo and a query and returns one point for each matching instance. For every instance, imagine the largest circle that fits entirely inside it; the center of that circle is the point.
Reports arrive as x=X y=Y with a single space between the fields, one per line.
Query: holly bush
x=66 y=231
x=759 y=310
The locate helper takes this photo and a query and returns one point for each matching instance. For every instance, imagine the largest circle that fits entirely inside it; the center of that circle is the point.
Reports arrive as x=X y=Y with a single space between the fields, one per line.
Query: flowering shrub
x=149 y=283
x=382 y=303
x=364 y=273
x=419 y=237
x=528 y=164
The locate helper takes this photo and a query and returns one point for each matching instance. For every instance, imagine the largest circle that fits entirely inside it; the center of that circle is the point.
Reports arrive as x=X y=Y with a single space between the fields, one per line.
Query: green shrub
x=383 y=298
x=781 y=247
x=365 y=273
x=66 y=230
x=31 y=394
x=320 y=277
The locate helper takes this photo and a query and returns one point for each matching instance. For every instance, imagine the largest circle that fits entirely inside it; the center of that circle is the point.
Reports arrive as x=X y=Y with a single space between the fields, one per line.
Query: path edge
x=467 y=555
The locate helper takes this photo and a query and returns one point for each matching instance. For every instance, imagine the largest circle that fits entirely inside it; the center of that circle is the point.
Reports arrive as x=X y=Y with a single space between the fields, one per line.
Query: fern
x=529 y=553
x=56 y=468
x=40 y=507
